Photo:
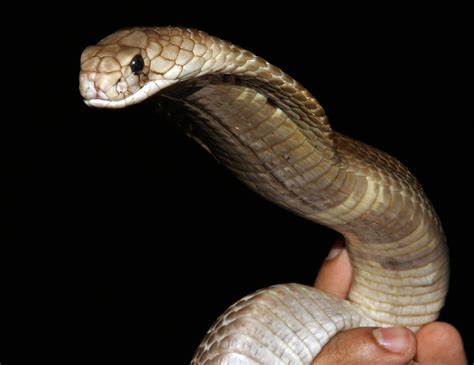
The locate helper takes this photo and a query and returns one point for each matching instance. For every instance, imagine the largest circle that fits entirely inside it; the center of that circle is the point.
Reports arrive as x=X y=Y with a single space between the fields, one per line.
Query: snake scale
x=275 y=137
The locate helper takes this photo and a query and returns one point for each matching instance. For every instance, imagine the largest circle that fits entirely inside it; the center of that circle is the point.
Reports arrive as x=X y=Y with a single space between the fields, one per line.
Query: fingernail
x=335 y=251
x=395 y=339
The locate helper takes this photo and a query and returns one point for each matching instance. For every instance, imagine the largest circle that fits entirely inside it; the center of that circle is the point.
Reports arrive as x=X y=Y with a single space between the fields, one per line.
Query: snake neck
x=364 y=193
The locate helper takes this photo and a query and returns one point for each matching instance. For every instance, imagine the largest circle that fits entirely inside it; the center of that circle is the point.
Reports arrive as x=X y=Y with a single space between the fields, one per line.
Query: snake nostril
x=87 y=86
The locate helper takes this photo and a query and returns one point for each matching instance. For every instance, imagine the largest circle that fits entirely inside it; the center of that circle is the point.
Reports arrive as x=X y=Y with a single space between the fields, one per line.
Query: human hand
x=435 y=343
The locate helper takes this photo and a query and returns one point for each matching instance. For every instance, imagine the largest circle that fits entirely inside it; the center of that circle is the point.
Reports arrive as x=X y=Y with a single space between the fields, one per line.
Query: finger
x=440 y=343
x=369 y=346
x=335 y=274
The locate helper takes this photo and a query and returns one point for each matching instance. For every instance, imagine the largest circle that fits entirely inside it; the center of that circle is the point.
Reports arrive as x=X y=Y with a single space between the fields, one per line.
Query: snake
x=275 y=137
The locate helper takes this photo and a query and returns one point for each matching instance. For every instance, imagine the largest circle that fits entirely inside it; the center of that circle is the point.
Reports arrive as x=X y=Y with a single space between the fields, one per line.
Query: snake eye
x=137 y=64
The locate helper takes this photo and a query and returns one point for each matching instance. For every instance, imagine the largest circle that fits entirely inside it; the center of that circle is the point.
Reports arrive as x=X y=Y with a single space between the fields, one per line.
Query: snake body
x=275 y=137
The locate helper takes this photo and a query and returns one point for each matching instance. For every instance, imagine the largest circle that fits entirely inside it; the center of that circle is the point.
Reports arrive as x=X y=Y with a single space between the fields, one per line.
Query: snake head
x=130 y=65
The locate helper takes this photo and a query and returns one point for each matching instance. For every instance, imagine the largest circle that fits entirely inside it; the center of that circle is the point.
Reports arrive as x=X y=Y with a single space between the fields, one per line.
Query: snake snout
x=94 y=85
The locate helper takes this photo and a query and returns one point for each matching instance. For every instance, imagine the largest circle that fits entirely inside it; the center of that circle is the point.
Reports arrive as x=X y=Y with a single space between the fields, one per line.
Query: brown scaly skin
x=275 y=137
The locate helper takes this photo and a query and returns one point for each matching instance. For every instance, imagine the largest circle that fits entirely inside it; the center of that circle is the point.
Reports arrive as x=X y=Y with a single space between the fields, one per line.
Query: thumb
x=387 y=346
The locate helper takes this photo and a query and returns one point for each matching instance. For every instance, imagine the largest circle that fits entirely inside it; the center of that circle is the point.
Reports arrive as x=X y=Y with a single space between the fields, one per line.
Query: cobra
x=274 y=136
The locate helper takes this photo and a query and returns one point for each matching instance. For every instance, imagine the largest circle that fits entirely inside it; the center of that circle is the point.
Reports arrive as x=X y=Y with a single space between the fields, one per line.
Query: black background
x=125 y=240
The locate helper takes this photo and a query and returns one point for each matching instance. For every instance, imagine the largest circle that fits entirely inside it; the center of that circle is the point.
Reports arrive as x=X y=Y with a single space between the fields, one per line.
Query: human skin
x=434 y=344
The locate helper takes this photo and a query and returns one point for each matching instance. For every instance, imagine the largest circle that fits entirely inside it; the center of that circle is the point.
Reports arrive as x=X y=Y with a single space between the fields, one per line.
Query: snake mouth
x=149 y=89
